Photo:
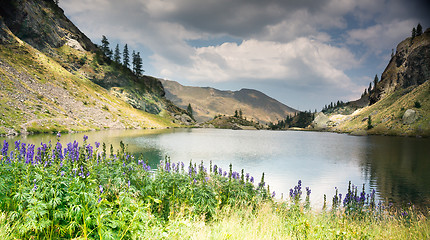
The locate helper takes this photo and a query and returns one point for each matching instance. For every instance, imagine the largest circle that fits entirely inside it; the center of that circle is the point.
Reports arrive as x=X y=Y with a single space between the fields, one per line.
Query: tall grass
x=82 y=191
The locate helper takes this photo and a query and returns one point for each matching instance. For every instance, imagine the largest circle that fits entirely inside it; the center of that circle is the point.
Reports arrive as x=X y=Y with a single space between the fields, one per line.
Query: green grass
x=388 y=112
x=97 y=193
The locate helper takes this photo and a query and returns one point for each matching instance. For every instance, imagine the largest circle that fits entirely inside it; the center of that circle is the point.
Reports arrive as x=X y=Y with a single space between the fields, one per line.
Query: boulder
x=320 y=122
x=410 y=116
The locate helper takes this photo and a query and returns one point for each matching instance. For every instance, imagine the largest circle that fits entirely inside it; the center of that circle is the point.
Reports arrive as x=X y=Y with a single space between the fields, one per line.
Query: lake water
x=397 y=168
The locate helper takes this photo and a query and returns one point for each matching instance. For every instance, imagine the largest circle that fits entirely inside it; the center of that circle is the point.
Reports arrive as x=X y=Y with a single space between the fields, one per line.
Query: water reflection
x=396 y=167
x=399 y=168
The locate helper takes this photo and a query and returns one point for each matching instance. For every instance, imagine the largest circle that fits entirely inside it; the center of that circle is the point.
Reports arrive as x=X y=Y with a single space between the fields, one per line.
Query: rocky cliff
x=400 y=102
x=408 y=67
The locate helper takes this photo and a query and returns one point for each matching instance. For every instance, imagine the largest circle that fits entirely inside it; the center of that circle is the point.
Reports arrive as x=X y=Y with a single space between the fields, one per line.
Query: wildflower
x=97 y=144
x=273 y=194
x=5 y=148
x=128 y=183
x=308 y=191
x=251 y=179
x=62 y=173
x=58 y=135
x=85 y=138
x=100 y=199
x=101 y=188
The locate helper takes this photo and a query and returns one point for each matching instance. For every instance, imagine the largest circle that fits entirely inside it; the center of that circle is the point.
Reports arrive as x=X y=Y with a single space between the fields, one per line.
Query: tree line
x=115 y=56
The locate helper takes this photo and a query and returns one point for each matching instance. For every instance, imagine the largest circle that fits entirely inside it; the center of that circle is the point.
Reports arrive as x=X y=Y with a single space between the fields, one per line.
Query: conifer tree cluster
x=371 y=88
x=299 y=119
x=115 y=57
x=417 y=31
x=332 y=106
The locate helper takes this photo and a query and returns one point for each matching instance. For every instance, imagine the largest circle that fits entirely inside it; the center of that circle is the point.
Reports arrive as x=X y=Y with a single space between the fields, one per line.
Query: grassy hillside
x=404 y=86
x=209 y=102
x=386 y=114
x=41 y=94
x=53 y=78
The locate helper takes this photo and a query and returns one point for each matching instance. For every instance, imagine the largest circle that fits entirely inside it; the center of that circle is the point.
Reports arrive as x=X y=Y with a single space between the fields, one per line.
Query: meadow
x=85 y=191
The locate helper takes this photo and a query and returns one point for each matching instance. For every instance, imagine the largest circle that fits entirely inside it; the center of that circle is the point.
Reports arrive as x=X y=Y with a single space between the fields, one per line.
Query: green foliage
x=419 y=29
x=85 y=193
x=417 y=104
x=369 y=123
x=190 y=111
x=125 y=57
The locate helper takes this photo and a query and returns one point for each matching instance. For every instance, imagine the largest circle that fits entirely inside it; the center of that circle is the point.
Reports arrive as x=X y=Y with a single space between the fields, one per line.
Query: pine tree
x=137 y=64
x=117 y=55
x=419 y=29
x=190 y=111
x=125 y=57
x=236 y=114
x=414 y=33
x=240 y=113
x=105 y=47
x=133 y=62
x=369 y=90
x=375 y=81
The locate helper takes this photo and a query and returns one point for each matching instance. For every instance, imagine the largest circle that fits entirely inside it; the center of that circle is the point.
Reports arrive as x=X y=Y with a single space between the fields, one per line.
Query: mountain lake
x=398 y=168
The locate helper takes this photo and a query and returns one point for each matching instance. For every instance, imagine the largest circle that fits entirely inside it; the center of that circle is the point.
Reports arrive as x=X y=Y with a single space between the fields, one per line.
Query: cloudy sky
x=304 y=53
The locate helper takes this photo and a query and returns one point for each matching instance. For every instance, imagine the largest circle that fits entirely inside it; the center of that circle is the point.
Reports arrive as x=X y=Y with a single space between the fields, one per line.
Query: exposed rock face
x=410 y=116
x=42 y=24
x=320 y=122
x=185 y=119
x=410 y=66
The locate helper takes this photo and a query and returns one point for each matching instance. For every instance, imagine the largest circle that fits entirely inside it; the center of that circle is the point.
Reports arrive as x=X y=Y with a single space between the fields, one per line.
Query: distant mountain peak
x=208 y=102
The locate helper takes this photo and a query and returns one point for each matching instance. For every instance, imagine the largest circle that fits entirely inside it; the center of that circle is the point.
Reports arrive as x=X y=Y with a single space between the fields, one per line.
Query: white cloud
x=380 y=37
x=303 y=62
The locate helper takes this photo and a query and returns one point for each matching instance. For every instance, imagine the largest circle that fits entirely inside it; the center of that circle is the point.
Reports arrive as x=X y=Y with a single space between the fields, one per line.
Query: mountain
x=53 y=78
x=209 y=102
x=400 y=102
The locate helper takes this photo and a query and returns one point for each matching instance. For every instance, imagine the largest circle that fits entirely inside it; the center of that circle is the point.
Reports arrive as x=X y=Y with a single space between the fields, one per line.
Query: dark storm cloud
x=237 y=18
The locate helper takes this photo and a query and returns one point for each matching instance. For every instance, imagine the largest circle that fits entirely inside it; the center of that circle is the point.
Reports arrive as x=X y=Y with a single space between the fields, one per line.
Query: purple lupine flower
x=291 y=193
x=308 y=191
x=22 y=151
x=5 y=148
x=225 y=173
x=90 y=151
x=194 y=181
x=30 y=154
x=273 y=194
x=17 y=144
x=251 y=179
x=58 y=135
x=100 y=199
x=97 y=144
x=207 y=179
x=62 y=173
x=220 y=171
x=247 y=177
x=101 y=188
x=85 y=138
x=128 y=183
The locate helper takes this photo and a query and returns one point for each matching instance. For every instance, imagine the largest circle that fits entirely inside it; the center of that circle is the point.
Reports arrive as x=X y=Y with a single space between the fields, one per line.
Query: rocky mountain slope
x=400 y=102
x=52 y=78
x=210 y=102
